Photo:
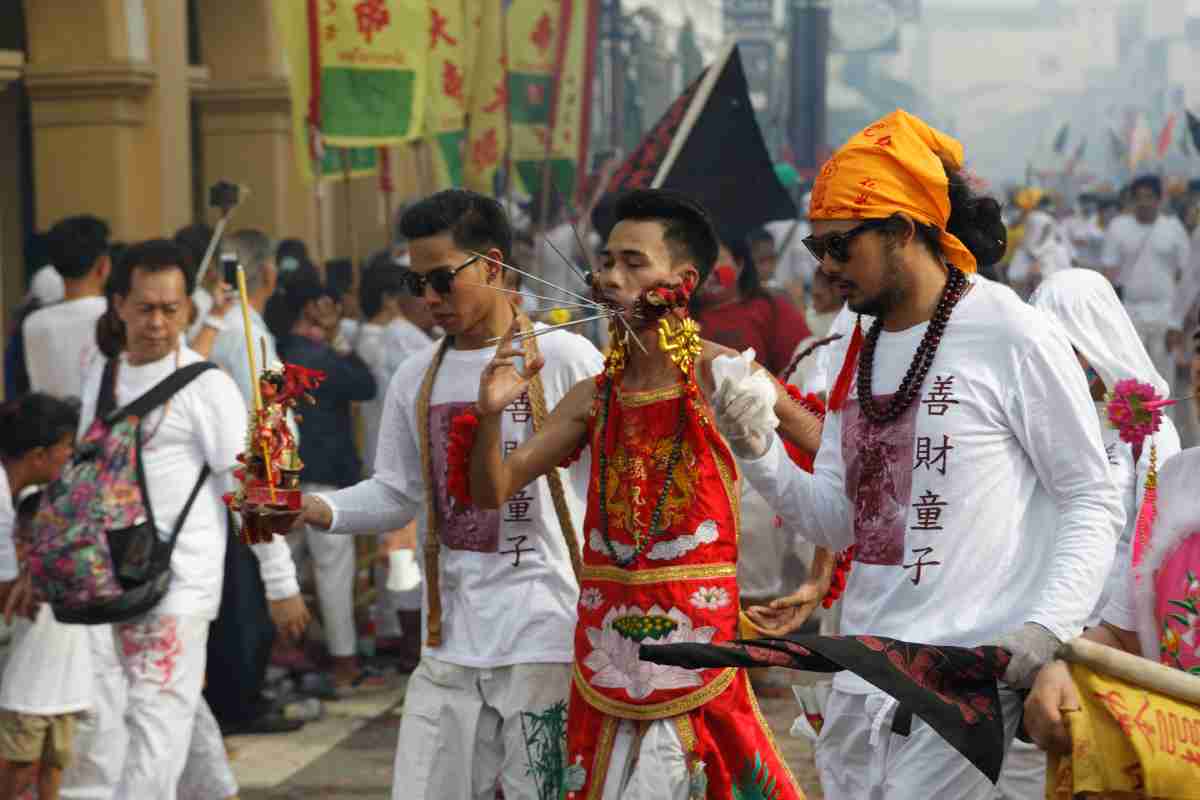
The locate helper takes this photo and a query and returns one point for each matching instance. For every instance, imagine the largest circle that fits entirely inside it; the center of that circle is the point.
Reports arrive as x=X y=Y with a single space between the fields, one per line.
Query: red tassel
x=841 y=389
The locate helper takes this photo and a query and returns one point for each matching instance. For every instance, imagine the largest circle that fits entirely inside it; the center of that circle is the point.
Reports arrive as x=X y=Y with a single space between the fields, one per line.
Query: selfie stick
x=226 y=213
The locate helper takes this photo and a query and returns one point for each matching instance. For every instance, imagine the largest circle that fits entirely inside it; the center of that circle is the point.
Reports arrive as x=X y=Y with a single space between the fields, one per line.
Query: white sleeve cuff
x=327 y=499
x=277 y=568
x=766 y=467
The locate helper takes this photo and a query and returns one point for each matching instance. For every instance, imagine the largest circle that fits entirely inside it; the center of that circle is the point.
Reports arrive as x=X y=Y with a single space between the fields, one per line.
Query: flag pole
x=342 y=154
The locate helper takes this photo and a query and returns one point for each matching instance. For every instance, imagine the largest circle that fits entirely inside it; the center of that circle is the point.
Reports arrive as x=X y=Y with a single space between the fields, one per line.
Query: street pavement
x=348 y=753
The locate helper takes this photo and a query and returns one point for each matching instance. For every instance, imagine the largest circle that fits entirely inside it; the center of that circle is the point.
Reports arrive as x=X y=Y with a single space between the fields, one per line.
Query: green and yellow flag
x=487 y=124
x=551 y=44
x=448 y=86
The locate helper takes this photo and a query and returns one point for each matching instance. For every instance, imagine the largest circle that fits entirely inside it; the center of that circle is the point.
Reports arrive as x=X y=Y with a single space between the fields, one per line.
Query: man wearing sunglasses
x=499 y=607
x=961 y=456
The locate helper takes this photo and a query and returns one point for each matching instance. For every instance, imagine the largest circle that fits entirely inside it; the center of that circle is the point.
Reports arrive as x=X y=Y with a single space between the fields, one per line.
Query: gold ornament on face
x=681 y=342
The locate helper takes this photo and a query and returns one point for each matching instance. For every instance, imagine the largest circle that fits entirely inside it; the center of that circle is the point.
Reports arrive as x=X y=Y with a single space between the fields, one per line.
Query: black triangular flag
x=1194 y=130
x=708 y=146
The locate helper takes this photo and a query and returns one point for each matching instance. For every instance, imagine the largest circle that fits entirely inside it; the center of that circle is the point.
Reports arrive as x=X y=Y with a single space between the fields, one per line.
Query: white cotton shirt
x=60 y=345
x=384 y=348
x=204 y=423
x=1045 y=244
x=796 y=264
x=1150 y=258
x=49 y=668
x=495 y=611
x=993 y=484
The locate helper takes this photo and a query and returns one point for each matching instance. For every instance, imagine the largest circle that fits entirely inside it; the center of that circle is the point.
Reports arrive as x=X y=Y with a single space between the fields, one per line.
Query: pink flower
x=1134 y=410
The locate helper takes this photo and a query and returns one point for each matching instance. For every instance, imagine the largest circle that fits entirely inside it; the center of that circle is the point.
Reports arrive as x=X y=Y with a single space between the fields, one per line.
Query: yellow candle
x=258 y=404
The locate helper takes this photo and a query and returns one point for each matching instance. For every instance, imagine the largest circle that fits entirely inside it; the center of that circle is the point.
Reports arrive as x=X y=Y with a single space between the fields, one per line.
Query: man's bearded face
x=872 y=281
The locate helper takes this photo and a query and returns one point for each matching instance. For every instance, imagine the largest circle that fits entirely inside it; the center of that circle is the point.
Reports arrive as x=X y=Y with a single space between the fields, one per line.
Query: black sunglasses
x=441 y=279
x=837 y=245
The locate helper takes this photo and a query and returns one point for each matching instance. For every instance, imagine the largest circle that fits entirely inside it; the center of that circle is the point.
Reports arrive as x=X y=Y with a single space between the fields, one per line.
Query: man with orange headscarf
x=961 y=457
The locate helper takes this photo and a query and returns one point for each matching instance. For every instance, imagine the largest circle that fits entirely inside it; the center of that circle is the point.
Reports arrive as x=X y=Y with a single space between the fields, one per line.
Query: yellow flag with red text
x=1127 y=741
x=487 y=123
x=448 y=91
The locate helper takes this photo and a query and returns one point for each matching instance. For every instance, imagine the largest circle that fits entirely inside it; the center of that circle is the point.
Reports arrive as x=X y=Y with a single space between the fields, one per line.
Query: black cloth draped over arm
x=953 y=689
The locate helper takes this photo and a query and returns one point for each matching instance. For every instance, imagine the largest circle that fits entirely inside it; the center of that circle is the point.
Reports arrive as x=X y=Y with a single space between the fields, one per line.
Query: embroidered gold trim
x=762 y=723
x=687 y=734
x=600 y=762
x=630 y=399
x=669 y=708
x=641 y=577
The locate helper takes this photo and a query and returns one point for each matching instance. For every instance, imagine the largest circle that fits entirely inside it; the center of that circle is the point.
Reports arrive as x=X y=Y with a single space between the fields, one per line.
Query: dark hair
x=75 y=243
x=293 y=248
x=687 y=228
x=474 y=221
x=381 y=278
x=1109 y=201
x=152 y=255
x=35 y=420
x=194 y=239
x=285 y=307
x=1151 y=182
x=974 y=219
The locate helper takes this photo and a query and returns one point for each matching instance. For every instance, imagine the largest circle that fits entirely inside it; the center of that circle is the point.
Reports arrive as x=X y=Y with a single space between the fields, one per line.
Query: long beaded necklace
x=914 y=378
x=640 y=539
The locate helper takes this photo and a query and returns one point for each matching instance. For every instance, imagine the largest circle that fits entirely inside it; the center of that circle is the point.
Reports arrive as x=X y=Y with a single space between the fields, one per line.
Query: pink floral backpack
x=94 y=551
x=1166 y=564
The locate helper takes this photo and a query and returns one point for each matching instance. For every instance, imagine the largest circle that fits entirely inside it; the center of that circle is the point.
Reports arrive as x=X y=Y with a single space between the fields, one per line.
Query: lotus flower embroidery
x=614 y=656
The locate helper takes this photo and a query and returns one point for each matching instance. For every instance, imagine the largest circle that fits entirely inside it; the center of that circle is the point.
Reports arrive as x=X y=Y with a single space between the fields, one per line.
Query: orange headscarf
x=893 y=165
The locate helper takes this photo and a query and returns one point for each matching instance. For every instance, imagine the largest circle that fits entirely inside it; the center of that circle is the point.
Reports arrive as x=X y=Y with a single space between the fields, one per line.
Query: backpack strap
x=187 y=507
x=158 y=394
x=107 y=400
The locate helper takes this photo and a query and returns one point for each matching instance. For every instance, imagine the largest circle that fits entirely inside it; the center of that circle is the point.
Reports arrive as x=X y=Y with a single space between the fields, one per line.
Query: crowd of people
x=898 y=400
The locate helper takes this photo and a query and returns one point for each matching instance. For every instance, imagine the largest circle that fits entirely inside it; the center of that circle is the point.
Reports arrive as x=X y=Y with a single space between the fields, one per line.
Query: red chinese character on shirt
x=542 y=33
x=485 y=151
x=437 y=30
x=372 y=16
x=452 y=81
x=499 y=99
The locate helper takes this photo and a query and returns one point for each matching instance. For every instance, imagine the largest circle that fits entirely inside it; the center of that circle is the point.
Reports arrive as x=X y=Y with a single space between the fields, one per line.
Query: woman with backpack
x=47 y=681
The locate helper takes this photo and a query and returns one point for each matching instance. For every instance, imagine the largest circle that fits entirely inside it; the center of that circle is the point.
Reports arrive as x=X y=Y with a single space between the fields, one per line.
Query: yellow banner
x=448 y=91
x=373 y=60
x=488 y=98
x=292 y=19
x=1127 y=742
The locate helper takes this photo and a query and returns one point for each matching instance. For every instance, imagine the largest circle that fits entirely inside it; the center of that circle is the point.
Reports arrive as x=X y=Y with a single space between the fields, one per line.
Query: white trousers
x=207 y=774
x=333 y=563
x=655 y=770
x=1024 y=774
x=462 y=730
x=859 y=758
x=148 y=678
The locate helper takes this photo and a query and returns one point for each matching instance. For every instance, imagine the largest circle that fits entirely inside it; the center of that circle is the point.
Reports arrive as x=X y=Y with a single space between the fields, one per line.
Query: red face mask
x=725 y=275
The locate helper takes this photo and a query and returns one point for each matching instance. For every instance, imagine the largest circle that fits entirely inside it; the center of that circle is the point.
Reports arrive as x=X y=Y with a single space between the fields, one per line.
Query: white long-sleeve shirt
x=986 y=505
x=506 y=588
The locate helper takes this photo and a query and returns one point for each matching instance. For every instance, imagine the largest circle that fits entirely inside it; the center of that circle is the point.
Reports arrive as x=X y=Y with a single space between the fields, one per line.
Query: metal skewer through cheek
x=533 y=277
x=540 y=331
x=574 y=267
x=590 y=305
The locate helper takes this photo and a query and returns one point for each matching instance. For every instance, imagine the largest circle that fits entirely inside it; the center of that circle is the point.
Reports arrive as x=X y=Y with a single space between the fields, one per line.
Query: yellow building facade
x=128 y=109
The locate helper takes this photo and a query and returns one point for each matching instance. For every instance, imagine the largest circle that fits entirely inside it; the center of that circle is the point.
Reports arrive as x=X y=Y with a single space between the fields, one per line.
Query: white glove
x=1032 y=647
x=744 y=404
